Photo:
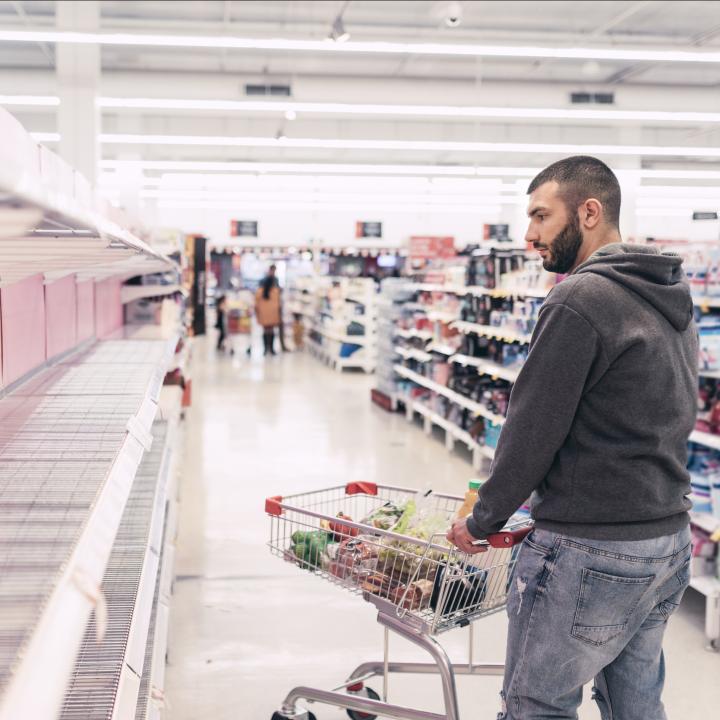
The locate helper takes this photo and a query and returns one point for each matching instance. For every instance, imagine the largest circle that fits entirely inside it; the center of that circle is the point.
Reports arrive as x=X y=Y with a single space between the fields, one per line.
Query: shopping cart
x=399 y=560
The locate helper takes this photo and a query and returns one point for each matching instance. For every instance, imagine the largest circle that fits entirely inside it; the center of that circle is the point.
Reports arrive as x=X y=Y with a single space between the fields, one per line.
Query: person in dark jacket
x=221 y=322
x=596 y=433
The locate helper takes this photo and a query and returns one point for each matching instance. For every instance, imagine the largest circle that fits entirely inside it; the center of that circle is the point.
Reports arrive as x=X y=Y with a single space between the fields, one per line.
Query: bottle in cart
x=471 y=497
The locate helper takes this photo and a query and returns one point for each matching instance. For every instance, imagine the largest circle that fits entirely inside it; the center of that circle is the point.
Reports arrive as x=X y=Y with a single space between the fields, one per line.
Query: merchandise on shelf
x=340 y=318
x=709 y=329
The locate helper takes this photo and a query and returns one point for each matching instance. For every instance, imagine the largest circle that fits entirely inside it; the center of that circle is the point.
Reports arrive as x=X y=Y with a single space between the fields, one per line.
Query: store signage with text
x=499 y=233
x=429 y=247
x=243 y=228
x=364 y=229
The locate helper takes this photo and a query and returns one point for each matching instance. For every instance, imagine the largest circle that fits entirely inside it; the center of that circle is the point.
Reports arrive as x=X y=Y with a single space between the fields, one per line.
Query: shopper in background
x=597 y=431
x=267 y=309
x=221 y=322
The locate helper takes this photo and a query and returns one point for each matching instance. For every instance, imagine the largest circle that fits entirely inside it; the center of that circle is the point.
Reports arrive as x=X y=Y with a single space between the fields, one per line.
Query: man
x=597 y=432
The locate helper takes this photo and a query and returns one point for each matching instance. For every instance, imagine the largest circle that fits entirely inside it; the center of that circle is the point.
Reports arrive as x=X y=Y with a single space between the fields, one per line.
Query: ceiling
x=659 y=23
x=242 y=135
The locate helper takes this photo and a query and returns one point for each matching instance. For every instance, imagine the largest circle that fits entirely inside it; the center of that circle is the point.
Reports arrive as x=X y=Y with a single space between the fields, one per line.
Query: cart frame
x=419 y=627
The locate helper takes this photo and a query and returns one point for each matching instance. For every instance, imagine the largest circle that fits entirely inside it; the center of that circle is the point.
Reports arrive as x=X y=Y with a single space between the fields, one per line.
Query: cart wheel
x=278 y=716
x=368 y=692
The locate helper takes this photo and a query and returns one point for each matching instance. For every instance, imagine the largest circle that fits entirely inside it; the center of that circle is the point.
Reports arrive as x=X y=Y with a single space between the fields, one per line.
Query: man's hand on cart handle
x=460 y=537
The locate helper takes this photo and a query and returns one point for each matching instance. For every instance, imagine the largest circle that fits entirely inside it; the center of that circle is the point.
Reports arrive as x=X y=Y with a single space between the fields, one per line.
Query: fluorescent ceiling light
x=291 y=109
x=698 y=201
x=379 y=47
x=330 y=207
x=680 y=175
x=281 y=200
x=30 y=100
x=45 y=137
x=318 y=168
x=234 y=181
x=664 y=212
x=451 y=111
x=369 y=169
x=410 y=145
x=677 y=190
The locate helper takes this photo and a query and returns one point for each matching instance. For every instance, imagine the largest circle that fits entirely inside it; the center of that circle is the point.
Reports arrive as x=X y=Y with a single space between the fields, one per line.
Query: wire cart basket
x=397 y=558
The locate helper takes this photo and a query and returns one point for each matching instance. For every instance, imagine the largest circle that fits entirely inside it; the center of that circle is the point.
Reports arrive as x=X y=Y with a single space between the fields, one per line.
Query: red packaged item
x=353 y=558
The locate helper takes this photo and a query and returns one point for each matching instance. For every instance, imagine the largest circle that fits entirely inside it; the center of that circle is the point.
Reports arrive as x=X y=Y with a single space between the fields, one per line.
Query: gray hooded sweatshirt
x=600 y=415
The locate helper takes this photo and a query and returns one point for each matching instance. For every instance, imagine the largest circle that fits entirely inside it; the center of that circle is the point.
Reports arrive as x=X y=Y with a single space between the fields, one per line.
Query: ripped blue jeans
x=591 y=609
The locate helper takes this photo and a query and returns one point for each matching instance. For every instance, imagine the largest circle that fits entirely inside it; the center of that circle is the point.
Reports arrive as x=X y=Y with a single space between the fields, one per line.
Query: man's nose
x=531 y=235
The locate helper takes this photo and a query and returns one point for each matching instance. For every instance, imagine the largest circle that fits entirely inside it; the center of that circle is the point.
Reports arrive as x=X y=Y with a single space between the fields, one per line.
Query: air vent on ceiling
x=276 y=90
x=602 y=98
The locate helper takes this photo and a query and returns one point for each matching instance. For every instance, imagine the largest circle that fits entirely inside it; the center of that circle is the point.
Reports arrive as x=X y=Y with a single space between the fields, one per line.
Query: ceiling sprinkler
x=451 y=14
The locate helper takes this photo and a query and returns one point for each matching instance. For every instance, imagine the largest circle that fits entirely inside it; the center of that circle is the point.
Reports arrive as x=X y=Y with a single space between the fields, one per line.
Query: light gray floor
x=246 y=627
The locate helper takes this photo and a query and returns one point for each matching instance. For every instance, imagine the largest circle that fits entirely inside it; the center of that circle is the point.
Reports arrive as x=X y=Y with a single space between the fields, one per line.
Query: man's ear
x=591 y=213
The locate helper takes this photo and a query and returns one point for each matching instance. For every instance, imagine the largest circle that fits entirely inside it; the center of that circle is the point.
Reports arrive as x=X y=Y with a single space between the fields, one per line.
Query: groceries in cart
x=397 y=551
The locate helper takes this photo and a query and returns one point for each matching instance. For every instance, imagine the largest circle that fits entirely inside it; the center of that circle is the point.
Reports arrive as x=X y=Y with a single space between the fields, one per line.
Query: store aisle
x=245 y=627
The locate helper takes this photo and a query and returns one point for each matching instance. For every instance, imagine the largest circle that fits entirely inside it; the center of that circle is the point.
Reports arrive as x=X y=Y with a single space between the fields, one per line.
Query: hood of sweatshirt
x=656 y=277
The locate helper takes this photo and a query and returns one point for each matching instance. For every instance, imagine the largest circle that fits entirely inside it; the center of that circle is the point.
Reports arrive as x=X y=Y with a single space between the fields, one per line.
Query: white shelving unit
x=486 y=367
x=78 y=461
x=706 y=439
x=128 y=293
x=453 y=432
x=408 y=353
x=425 y=335
x=480 y=291
x=492 y=332
x=707 y=302
x=442 y=349
x=52 y=223
x=328 y=305
x=474 y=407
x=77 y=433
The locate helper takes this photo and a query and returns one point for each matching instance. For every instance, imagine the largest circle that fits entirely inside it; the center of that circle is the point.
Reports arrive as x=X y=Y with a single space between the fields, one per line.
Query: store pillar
x=78 y=75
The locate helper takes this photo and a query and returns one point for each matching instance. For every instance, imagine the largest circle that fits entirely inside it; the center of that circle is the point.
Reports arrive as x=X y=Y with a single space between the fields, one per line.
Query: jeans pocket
x=534 y=542
x=605 y=605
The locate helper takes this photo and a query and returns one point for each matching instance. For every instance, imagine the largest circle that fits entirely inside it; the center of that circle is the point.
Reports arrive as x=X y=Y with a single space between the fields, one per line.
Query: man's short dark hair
x=581 y=177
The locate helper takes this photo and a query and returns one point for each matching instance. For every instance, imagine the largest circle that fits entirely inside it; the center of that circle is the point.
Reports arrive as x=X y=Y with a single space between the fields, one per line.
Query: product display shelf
x=330 y=356
x=354 y=339
x=111 y=678
x=128 y=293
x=73 y=438
x=412 y=333
x=706 y=439
x=707 y=522
x=712 y=374
x=442 y=349
x=487 y=367
x=52 y=223
x=418 y=355
x=107 y=673
x=706 y=302
x=478 y=290
x=492 y=332
x=710 y=587
x=452 y=431
x=331 y=316
x=442 y=316
x=461 y=400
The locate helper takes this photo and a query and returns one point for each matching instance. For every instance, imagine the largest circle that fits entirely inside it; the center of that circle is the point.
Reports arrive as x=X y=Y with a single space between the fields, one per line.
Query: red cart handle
x=361 y=488
x=508 y=538
x=273 y=505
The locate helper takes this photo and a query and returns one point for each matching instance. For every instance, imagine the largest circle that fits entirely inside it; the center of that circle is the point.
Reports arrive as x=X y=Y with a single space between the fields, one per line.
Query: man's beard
x=563 y=251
